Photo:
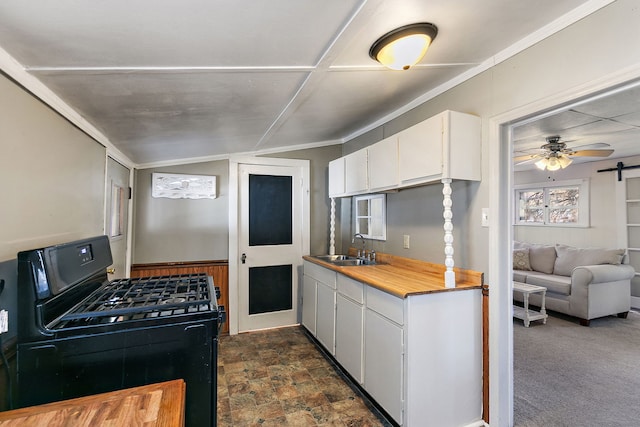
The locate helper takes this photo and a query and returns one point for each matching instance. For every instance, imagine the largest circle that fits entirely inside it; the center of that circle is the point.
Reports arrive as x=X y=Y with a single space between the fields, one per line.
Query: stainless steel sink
x=343 y=260
x=334 y=258
x=347 y=262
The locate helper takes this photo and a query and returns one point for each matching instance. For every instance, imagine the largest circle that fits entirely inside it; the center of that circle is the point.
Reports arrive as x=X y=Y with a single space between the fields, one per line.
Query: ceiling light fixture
x=553 y=162
x=403 y=47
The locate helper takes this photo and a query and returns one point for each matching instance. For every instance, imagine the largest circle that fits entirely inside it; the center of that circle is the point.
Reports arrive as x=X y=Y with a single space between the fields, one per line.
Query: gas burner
x=173 y=300
x=112 y=302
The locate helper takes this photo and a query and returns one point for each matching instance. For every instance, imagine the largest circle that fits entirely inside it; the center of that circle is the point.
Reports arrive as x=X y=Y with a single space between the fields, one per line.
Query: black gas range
x=81 y=334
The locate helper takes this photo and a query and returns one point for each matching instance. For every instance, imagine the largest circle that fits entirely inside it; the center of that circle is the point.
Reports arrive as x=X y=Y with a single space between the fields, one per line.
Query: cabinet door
x=383 y=366
x=383 y=164
x=326 y=316
x=309 y=303
x=336 y=177
x=355 y=165
x=420 y=151
x=349 y=335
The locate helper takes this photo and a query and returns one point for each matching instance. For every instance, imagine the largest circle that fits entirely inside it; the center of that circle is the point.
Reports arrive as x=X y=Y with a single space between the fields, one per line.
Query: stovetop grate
x=141 y=298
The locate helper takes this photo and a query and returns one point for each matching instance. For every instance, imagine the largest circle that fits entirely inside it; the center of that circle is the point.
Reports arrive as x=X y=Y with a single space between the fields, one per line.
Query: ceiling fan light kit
x=402 y=48
x=553 y=163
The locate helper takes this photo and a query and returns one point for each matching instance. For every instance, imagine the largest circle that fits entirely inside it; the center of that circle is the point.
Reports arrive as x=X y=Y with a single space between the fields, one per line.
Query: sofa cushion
x=520 y=276
x=541 y=257
x=553 y=283
x=570 y=258
x=521 y=259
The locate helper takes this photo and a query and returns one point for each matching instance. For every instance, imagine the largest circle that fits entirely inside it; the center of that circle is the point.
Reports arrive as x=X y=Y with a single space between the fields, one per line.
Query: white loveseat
x=583 y=282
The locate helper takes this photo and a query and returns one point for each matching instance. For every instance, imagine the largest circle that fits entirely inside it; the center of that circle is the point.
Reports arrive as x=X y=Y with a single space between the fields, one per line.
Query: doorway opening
x=500 y=242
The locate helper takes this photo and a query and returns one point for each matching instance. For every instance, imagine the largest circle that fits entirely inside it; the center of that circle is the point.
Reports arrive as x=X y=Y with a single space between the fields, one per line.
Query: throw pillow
x=521 y=259
x=570 y=258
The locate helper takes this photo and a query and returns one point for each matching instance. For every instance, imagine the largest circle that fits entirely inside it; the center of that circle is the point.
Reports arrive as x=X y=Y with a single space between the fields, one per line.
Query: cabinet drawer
x=351 y=288
x=321 y=274
x=385 y=304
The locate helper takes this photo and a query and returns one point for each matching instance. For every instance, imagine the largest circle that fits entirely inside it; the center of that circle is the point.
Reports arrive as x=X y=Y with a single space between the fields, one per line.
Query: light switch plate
x=485 y=217
x=406 y=241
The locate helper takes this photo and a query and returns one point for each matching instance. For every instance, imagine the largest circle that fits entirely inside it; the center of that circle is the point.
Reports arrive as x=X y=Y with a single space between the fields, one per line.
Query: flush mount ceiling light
x=403 y=47
x=553 y=162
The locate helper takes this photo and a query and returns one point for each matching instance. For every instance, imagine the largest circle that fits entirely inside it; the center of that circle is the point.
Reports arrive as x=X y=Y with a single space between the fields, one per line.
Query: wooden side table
x=523 y=312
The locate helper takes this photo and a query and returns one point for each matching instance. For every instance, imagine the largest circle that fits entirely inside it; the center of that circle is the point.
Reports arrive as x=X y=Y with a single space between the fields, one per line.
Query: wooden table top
x=155 y=405
x=404 y=277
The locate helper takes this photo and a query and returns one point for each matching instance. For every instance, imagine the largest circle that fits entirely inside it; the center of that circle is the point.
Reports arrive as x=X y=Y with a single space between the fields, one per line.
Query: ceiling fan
x=556 y=155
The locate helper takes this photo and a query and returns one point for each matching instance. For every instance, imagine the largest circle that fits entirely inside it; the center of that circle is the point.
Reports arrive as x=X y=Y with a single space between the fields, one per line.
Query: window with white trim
x=371 y=216
x=559 y=203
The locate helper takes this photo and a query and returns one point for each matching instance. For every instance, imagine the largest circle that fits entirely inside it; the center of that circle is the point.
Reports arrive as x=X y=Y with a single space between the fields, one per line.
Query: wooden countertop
x=404 y=277
x=155 y=405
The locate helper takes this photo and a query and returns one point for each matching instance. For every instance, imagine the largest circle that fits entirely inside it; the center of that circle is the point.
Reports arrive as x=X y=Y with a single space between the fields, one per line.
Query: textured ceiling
x=167 y=80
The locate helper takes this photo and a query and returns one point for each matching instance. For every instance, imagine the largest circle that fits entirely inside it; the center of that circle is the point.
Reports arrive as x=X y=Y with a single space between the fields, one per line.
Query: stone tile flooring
x=279 y=377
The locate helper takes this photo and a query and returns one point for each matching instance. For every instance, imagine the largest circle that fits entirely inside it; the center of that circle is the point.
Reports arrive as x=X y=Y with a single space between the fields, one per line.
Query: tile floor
x=279 y=377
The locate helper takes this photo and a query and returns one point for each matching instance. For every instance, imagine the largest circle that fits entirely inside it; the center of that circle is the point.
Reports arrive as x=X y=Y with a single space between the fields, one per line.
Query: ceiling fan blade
x=591 y=153
x=595 y=145
x=525 y=158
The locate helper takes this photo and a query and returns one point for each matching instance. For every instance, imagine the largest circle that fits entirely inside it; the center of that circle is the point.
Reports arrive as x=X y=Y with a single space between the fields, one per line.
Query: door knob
x=111 y=270
x=243 y=258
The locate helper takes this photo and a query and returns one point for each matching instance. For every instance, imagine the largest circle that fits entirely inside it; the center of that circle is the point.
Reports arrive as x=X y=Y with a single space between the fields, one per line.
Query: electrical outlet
x=4 y=321
x=406 y=241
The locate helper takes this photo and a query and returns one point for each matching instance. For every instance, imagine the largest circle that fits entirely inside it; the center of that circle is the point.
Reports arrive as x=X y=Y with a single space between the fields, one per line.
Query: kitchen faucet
x=361 y=253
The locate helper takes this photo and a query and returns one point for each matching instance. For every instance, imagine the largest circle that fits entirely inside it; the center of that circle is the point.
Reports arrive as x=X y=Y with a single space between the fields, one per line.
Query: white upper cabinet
x=447 y=145
x=383 y=164
x=336 y=177
x=355 y=165
x=420 y=151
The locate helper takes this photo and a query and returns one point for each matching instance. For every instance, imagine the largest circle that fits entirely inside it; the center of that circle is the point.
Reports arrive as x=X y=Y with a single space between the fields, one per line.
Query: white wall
x=172 y=230
x=52 y=176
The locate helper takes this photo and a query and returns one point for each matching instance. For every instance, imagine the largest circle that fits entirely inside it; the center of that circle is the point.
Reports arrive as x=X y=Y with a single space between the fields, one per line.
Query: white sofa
x=583 y=282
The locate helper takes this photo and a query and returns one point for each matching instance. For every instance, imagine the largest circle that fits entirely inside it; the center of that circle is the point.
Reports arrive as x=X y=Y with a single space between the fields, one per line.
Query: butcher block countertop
x=155 y=405
x=404 y=277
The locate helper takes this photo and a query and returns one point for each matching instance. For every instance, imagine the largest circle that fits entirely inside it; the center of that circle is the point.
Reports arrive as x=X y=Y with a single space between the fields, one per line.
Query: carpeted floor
x=567 y=375
x=278 y=377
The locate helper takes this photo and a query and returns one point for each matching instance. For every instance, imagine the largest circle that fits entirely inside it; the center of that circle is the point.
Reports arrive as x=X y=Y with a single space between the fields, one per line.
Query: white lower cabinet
x=383 y=362
x=309 y=303
x=326 y=317
x=419 y=357
x=350 y=326
x=319 y=303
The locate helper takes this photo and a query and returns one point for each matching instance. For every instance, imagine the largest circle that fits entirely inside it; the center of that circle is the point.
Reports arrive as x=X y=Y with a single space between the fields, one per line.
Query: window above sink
x=371 y=216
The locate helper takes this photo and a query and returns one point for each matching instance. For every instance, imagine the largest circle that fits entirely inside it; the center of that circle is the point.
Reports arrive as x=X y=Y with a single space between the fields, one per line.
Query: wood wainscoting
x=219 y=270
